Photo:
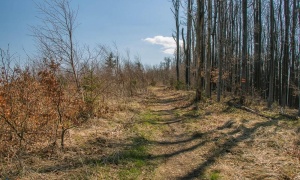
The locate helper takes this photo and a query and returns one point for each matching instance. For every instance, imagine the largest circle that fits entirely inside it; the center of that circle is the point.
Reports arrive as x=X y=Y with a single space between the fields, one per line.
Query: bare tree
x=272 y=47
x=208 y=62
x=188 y=44
x=257 y=44
x=199 y=46
x=175 y=10
x=55 y=36
x=285 y=61
x=221 y=56
x=244 y=50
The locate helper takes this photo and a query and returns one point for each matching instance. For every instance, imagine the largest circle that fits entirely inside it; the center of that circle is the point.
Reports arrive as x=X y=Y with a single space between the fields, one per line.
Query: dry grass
x=160 y=135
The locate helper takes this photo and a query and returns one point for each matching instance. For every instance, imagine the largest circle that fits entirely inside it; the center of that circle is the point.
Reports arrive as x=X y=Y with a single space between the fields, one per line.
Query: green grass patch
x=134 y=160
x=127 y=164
x=149 y=117
x=177 y=113
x=214 y=175
x=148 y=125
x=131 y=173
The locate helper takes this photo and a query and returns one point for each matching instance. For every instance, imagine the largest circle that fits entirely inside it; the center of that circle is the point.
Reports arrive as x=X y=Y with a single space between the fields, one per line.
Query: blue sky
x=143 y=26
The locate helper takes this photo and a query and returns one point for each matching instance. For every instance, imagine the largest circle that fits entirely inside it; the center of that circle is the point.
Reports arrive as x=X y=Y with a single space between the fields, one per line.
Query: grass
x=134 y=160
x=214 y=175
x=128 y=163
x=148 y=117
x=133 y=164
x=165 y=138
x=148 y=125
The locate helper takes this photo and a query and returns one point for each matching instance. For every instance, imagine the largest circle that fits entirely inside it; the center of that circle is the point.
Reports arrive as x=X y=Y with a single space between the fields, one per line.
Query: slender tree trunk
x=177 y=42
x=285 y=54
x=199 y=36
x=220 y=49
x=184 y=47
x=188 y=45
x=257 y=45
x=272 y=68
x=244 y=51
x=176 y=6
x=214 y=40
x=194 y=57
x=293 y=55
x=208 y=62
x=298 y=13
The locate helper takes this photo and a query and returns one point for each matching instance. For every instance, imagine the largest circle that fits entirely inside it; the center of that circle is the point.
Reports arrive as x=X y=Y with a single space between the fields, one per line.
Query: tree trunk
x=285 y=54
x=244 y=51
x=272 y=68
x=188 y=45
x=220 y=49
x=176 y=5
x=293 y=55
x=199 y=36
x=257 y=45
x=208 y=61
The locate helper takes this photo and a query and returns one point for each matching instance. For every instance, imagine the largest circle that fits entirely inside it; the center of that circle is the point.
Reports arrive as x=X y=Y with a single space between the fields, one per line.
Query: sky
x=142 y=26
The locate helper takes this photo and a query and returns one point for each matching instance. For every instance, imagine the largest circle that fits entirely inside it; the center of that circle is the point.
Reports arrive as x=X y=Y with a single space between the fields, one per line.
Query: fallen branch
x=239 y=106
x=230 y=103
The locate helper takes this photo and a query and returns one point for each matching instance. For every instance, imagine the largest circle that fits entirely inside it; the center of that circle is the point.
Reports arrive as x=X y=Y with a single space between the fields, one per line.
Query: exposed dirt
x=161 y=135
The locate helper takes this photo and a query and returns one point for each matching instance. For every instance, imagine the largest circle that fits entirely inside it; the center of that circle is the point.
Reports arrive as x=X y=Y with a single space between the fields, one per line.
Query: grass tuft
x=215 y=175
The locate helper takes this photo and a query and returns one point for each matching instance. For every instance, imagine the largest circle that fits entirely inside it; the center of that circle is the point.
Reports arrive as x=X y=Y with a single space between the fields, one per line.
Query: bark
x=271 y=54
x=199 y=46
x=285 y=54
x=244 y=51
x=188 y=45
x=257 y=45
x=176 y=5
x=220 y=49
x=208 y=61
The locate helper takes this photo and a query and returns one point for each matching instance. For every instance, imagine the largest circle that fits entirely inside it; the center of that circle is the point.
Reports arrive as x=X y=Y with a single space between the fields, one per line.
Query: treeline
x=249 y=48
x=63 y=86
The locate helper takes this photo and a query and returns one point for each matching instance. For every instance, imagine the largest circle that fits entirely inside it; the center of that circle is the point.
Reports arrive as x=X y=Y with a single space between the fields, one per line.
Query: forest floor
x=162 y=135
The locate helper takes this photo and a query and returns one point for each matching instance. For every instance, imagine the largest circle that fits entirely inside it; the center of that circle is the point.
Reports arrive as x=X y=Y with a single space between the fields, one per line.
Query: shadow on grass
x=166 y=117
x=226 y=148
x=179 y=98
x=136 y=152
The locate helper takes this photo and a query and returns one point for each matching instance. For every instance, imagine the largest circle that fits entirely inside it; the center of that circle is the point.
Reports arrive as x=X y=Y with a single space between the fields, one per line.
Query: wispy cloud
x=168 y=43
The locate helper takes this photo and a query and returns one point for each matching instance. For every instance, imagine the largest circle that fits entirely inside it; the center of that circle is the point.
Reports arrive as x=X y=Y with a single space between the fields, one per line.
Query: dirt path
x=161 y=136
x=176 y=145
x=216 y=142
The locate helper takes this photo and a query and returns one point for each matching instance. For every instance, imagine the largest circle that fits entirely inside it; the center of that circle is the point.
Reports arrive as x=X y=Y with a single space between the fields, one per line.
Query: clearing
x=161 y=135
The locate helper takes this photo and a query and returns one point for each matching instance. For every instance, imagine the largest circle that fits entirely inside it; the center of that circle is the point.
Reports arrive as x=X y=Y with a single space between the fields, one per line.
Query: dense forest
x=247 y=49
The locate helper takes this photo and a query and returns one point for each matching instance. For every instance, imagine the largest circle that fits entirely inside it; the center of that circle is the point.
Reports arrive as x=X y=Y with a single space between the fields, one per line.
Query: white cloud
x=168 y=43
x=169 y=51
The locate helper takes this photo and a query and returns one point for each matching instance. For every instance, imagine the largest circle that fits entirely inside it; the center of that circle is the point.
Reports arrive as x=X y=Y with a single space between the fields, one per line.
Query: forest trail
x=215 y=142
x=160 y=135
x=177 y=143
